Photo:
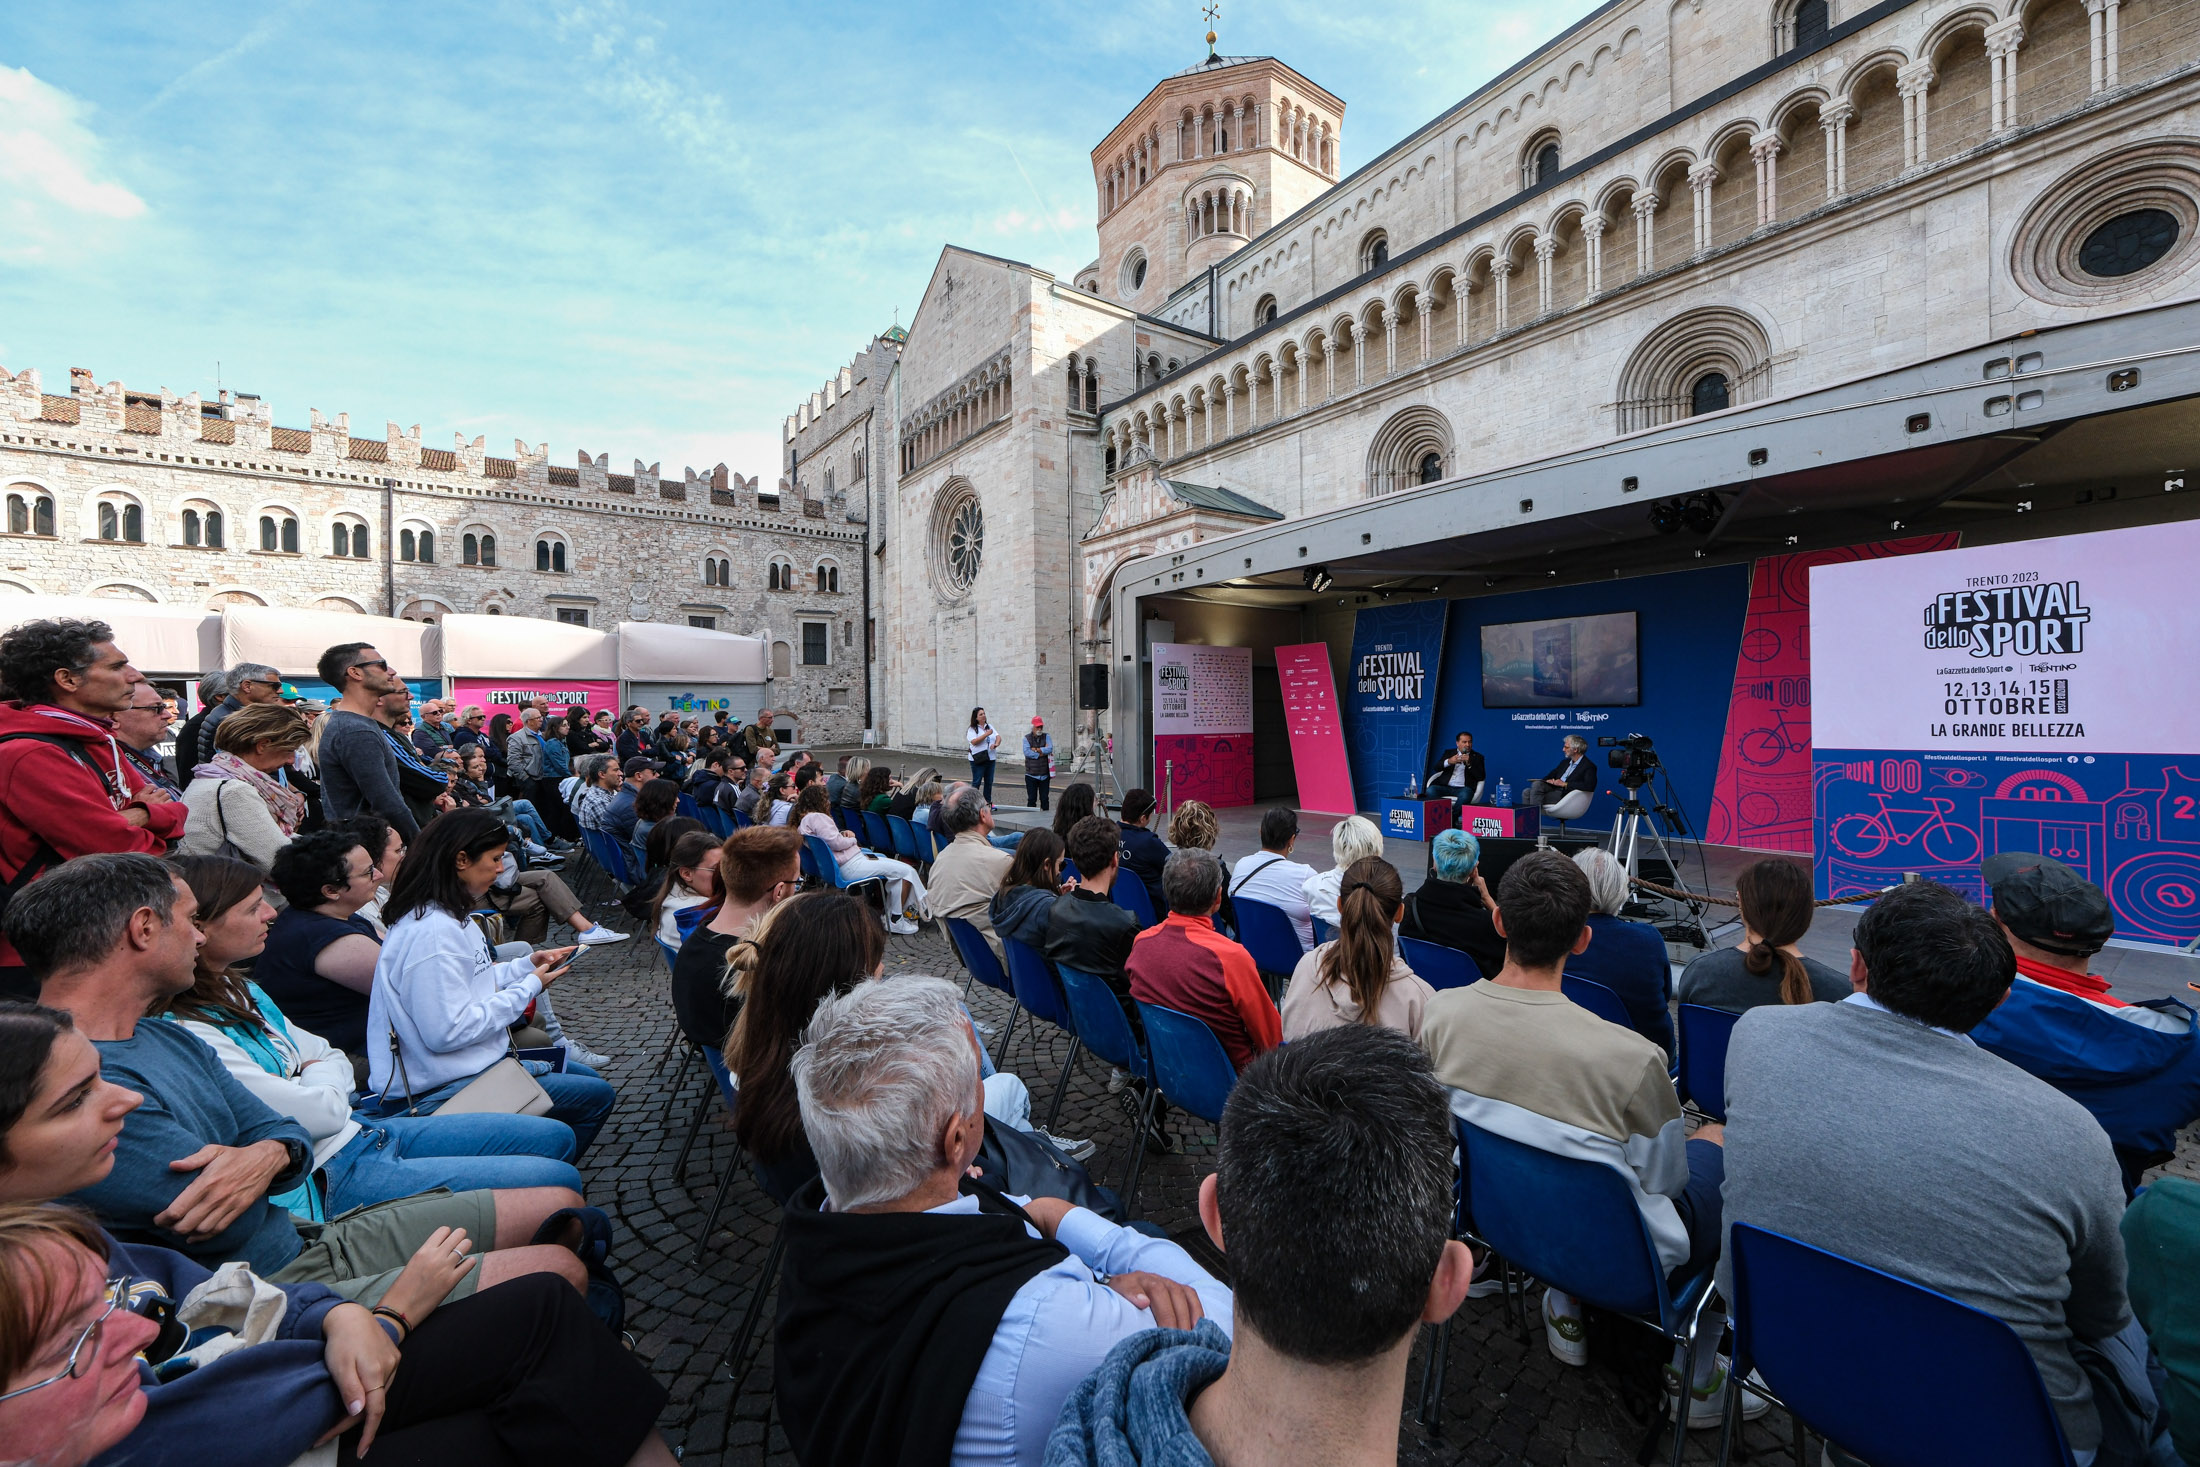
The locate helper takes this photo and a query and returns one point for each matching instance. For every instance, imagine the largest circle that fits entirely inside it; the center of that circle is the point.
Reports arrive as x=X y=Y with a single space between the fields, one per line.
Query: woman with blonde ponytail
x=1766 y=968
x=1357 y=977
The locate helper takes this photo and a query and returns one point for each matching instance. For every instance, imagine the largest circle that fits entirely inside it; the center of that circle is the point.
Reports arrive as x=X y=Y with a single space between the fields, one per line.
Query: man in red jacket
x=66 y=789
x=1184 y=964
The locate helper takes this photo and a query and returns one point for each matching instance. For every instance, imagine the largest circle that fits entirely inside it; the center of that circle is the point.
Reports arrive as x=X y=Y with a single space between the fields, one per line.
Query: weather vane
x=1212 y=11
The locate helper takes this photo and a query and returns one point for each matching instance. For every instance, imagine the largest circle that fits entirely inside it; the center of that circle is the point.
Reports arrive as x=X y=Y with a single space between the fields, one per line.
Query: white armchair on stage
x=1572 y=807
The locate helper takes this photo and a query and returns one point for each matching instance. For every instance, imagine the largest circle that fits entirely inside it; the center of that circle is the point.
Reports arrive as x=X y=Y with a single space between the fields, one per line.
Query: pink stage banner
x=506 y=693
x=1312 y=718
x=1203 y=723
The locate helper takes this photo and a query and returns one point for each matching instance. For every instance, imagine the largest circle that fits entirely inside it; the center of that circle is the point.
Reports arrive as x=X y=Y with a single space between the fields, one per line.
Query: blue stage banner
x=1390 y=696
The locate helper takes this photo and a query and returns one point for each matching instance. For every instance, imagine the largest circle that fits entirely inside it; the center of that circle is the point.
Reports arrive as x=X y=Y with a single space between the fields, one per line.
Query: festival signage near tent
x=1391 y=696
x=508 y=693
x=1311 y=717
x=2037 y=696
x=1203 y=722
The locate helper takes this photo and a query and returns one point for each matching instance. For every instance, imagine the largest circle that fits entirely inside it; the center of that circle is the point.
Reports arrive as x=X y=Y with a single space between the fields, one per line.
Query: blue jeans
x=401 y=1155
x=580 y=1097
x=526 y=818
x=1005 y=840
x=981 y=775
x=1700 y=1207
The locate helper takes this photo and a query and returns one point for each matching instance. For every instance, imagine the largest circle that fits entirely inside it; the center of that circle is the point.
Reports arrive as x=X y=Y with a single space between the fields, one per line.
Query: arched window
x=550 y=555
x=279 y=533
x=213 y=522
x=1431 y=467
x=1375 y=251
x=1264 y=312
x=469 y=549
x=30 y=511
x=358 y=542
x=191 y=529
x=122 y=520
x=828 y=578
x=717 y=571
x=270 y=537
x=858 y=470
x=828 y=483
x=492 y=609
x=109 y=522
x=408 y=548
x=1546 y=162
x=488 y=550
x=1708 y=395
x=340 y=539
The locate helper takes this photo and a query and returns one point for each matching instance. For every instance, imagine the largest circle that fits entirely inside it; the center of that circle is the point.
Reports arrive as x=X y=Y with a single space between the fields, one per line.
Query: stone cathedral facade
x=1673 y=207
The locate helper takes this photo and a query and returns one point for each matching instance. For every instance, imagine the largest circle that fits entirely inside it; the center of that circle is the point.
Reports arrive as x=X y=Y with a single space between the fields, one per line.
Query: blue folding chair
x=687 y=919
x=1597 y=999
x=1573 y=1223
x=741 y=821
x=1440 y=967
x=1130 y=893
x=609 y=853
x=940 y=839
x=980 y=963
x=685 y=805
x=1267 y=933
x=1322 y=930
x=840 y=818
x=1039 y=994
x=1703 y=1039
x=717 y=822
x=905 y=841
x=1190 y=1066
x=827 y=866
x=1803 y=1317
x=1105 y=1030
x=878 y=839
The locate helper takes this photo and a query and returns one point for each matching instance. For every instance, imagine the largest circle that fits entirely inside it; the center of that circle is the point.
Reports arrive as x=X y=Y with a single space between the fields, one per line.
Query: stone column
x=1359 y=352
x=2002 y=40
x=1420 y=313
x=2101 y=19
x=1229 y=408
x=1700 y=179
x=1914 y=82
x=1545 y=247
x=1390 y=340
x=1501 y=273
x=1329 y=367
x=1764 y=150
x=1645 y=205
x=1462 y=293
x=1833 y=120
x=1592 y=234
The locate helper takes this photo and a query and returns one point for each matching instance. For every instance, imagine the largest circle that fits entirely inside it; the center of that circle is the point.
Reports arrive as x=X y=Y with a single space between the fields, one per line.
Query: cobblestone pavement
x=1507 y=1400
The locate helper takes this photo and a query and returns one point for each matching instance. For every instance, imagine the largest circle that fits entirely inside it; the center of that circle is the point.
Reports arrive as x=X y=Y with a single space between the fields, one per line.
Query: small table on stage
x=1482 y=821
x=1416 y=819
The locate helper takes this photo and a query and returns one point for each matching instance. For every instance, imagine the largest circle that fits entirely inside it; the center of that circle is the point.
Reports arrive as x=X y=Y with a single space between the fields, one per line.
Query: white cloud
x=50 y=183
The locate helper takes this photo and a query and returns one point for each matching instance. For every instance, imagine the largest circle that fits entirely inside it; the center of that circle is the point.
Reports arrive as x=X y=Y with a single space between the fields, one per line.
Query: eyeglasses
x=86 y=1348
x=378 y=662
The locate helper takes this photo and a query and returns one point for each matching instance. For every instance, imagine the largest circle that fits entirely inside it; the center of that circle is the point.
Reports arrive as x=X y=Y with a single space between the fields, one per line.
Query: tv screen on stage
x=1566 y=662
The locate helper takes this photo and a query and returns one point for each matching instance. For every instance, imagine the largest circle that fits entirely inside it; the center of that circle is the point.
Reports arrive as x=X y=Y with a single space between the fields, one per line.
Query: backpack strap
x=1248 y=876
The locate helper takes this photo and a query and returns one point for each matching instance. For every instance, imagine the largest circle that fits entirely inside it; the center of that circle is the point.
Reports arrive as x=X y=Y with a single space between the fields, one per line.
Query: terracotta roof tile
x=52 y=409
x=370 y=450
x=442 y=460
x=565 y=477
x=217 y=430
x=499 y=468
x=290 y=440
x=137 y=418
x=622 y=483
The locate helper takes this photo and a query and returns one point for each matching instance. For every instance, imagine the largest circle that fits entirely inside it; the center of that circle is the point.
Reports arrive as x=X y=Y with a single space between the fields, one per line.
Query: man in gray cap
x=2134 y=1065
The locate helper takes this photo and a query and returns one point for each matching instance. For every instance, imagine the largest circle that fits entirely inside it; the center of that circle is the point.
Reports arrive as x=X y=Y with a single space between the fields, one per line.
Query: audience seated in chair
x=1765 y=967
x=924 y=1316
x=2135 y=1066
x=1316 y=1371
x=1351 y=839
x=197 y=1168
x=299 y=1075
x=757 y=868
x=970 y=870
x=1452 y=907
x=1876 y=1129
x=904 y=889
x=1184 y=964
x=1029 y=890
x=1357 y=977
x=1086 y=928
x=1626 y=957
x=523 y=1367
x=1144 y=853
x=1525 y=1062
x=318 y=963
x=1270 y=875
x=691 y=880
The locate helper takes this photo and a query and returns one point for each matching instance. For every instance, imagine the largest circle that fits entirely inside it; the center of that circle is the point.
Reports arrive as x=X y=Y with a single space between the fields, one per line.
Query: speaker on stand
x=1092 y=697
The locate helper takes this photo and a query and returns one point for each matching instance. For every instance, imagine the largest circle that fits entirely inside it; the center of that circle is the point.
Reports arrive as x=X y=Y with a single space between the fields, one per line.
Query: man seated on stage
x=1876 y=1129
x=1575 y=771
x=923 y=1315
x=1317 y=1369
x=1458 y=775
x=2135 y=1067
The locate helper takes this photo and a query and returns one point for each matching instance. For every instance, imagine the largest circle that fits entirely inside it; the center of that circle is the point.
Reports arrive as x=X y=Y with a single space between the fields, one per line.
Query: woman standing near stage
x=983 y=738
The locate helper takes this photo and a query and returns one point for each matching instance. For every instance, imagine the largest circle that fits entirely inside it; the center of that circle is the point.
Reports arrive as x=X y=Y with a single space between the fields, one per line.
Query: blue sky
x=650 y=228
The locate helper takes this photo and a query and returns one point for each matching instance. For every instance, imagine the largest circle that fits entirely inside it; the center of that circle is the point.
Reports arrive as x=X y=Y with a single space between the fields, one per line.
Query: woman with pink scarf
x=238 y=804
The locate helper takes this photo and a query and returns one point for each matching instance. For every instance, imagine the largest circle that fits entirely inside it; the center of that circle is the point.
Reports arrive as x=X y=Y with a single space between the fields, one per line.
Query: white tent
x=293 y=640
x=161 y=639
x=526 y=647
x=692 y=671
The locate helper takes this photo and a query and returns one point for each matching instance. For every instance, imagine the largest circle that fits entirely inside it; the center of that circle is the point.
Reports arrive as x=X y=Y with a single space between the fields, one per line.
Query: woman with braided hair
x=1357 y=977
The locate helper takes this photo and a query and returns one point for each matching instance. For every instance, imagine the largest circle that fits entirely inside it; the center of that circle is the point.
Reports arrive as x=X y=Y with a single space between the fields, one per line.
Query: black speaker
x=1499 y=852
x=1092 y=685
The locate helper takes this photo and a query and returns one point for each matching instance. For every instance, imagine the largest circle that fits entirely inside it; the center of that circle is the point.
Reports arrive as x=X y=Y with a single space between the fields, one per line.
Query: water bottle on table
x=1504 y=794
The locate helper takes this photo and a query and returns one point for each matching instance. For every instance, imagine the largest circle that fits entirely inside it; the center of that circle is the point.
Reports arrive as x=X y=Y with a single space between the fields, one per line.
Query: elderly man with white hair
x=923 y=1315
x=1353 y=838
x=1627 y=957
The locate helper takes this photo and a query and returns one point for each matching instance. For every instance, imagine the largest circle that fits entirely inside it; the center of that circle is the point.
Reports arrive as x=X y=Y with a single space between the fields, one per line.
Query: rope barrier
x=1719 y=901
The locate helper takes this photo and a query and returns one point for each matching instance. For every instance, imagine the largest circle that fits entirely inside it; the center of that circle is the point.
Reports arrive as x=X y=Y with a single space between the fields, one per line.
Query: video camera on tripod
x=1633 y=756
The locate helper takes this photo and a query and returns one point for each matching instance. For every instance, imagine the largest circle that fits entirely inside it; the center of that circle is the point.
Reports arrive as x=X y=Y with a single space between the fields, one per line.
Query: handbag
x=505 y=1088
x=1023 y=1165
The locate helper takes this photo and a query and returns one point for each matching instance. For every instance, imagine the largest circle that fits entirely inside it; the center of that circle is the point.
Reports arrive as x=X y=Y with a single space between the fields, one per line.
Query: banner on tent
x=493 y=693
x=1391 y=697
x=1312 y=719
x=1203 y=722
x=2037 y=696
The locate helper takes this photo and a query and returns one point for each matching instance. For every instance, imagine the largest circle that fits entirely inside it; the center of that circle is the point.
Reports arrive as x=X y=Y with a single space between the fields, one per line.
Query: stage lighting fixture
x=1700 y=512
x=1665 y=516
x=1318 y=578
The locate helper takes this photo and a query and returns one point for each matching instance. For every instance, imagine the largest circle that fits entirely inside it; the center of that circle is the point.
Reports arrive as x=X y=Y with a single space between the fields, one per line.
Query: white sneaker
x=902 y=927
x=1116 y=1081
x=1489 y=1280
x=1568 y=1338
x=1707 y=1402
x=585 y=1055
x=601 y=936
x=1076 y=1149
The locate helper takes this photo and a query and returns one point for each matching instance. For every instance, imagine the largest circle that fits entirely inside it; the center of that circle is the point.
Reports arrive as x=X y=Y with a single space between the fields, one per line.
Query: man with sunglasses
x=249 y=683
x=359 y=769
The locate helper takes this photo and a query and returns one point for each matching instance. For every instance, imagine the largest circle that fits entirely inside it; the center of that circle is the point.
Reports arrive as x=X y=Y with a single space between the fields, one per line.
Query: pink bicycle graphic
x=1947 y=844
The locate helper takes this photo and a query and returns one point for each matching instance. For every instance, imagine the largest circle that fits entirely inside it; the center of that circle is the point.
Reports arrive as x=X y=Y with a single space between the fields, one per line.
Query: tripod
x=1626 y=847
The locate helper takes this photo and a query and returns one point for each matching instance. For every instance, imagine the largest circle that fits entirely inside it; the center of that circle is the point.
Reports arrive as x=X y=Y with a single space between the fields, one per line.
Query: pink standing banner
x=1316 y=727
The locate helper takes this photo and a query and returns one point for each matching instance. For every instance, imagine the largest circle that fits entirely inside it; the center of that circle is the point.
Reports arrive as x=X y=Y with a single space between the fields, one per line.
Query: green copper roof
x=1223 y=501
